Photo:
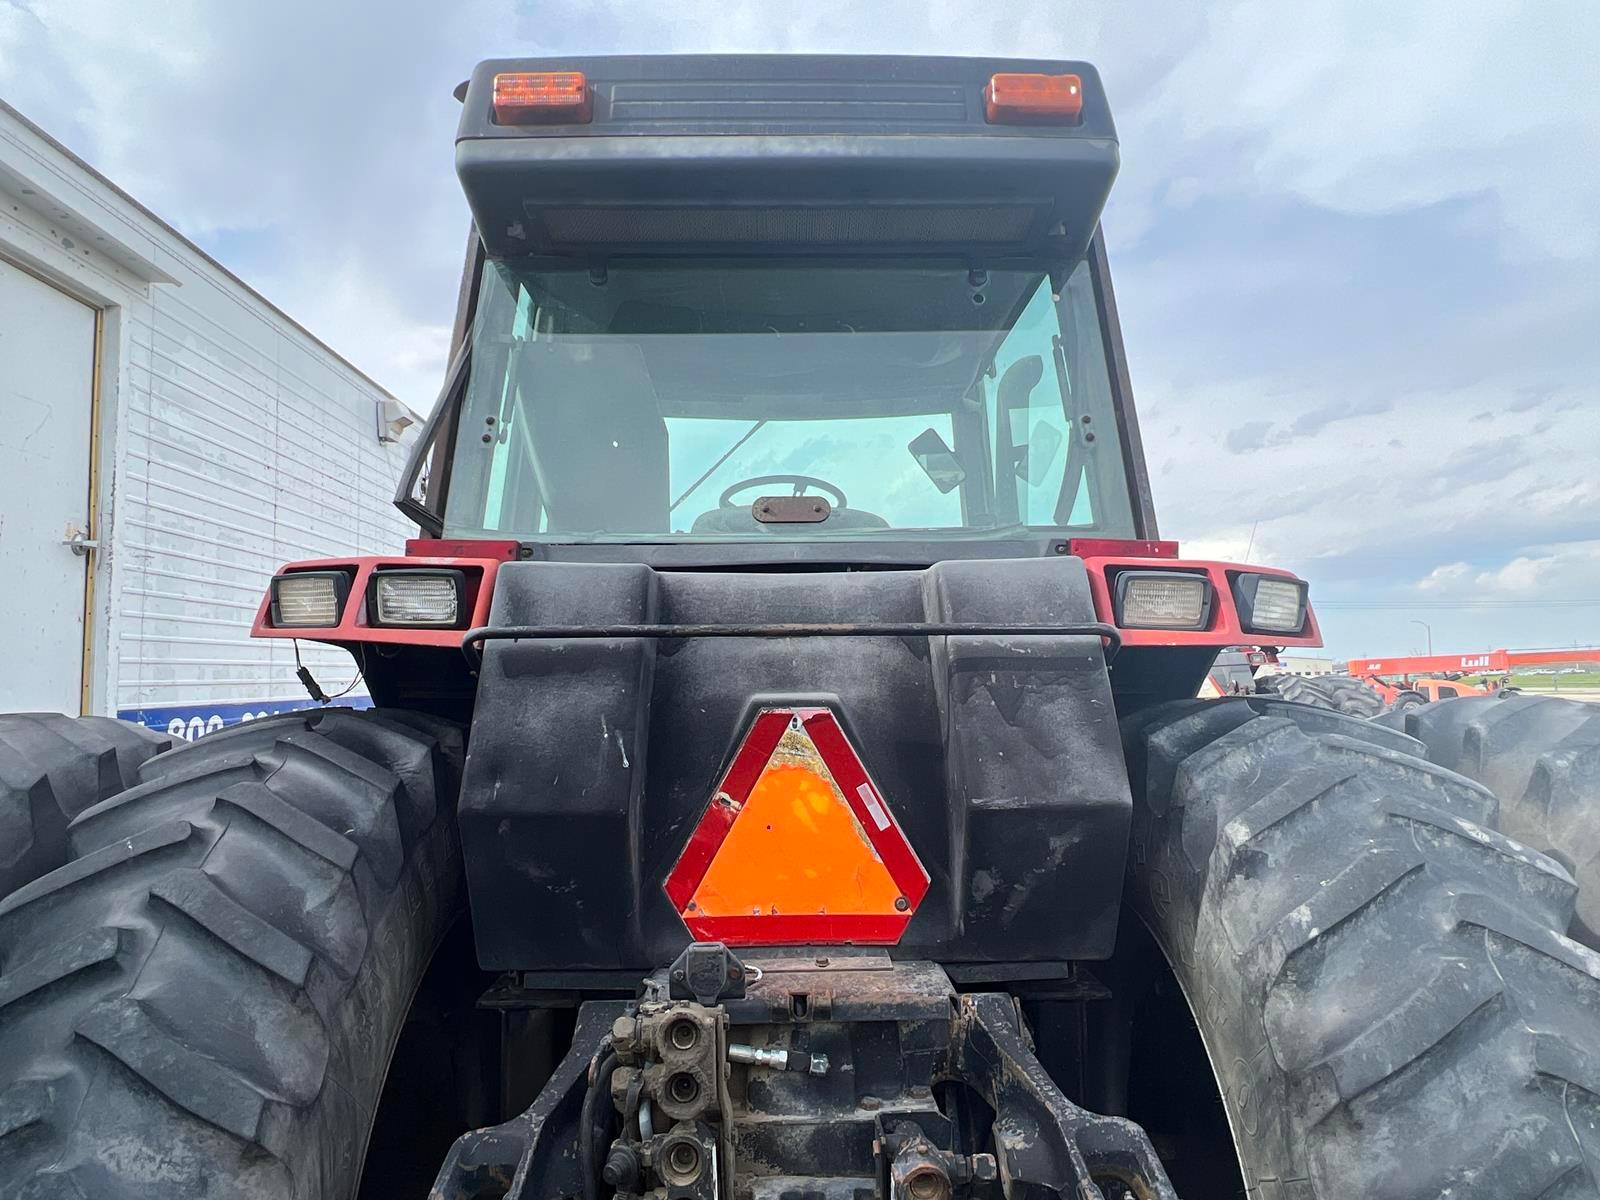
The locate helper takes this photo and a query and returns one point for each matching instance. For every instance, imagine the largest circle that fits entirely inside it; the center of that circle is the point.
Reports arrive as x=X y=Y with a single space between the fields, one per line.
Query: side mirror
x=937 y=460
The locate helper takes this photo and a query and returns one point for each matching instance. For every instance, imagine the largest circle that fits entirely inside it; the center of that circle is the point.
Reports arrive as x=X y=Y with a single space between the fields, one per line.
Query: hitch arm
x=1046 y=1145
x=503 y=1159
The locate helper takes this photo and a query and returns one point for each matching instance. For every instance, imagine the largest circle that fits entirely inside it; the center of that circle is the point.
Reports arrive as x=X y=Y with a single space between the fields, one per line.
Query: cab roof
x=798 y=154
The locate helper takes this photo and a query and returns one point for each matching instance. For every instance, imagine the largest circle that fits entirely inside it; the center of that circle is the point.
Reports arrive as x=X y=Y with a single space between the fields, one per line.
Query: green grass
x=1550 y=683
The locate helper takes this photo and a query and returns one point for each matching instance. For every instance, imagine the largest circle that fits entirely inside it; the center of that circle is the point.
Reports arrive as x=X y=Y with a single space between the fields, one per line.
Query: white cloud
x=1385 y=495
x=1371 y=107
x=1445 y=578
x=1520 y=575
x=1559 y=572
x=310 y=146
x=1340 y=233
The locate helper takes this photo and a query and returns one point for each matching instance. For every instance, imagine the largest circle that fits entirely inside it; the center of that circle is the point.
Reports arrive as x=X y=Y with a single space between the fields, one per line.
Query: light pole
x=1429 y=628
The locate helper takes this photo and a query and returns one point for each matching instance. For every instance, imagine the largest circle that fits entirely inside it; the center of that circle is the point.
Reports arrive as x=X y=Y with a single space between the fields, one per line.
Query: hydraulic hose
x=589 y=1117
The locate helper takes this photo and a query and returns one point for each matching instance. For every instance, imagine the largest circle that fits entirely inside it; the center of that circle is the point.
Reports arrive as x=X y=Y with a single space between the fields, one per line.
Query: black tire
x=1375 y=972
x=53 y=767
x=1408 y=699
x=1541 y=756
x=1339 y=693
x=203 y=1000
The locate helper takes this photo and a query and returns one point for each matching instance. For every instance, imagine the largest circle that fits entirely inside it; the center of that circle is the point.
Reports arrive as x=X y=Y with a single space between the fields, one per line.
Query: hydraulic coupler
x=819 y=1076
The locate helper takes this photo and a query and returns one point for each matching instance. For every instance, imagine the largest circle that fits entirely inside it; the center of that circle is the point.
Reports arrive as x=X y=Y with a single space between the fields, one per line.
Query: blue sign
x=192 y=722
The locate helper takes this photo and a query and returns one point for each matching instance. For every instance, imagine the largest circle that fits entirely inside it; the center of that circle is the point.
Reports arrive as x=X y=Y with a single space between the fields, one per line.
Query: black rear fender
x=592 y=760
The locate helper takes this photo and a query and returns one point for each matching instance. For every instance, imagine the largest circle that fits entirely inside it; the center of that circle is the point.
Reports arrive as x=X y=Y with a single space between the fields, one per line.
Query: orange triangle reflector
x=797 y=844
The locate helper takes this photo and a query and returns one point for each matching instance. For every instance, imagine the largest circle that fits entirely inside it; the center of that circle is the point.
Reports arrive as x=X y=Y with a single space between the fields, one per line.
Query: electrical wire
x=309 y=681
x=361 y=672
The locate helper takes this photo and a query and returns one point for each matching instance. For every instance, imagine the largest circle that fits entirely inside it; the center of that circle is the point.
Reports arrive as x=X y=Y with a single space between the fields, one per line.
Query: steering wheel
x=800 y=482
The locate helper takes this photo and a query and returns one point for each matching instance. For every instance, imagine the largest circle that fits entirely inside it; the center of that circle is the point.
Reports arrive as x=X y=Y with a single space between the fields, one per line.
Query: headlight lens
x=417 y=598
x=308 y=599
x=1162 y=600
x=1270 y=603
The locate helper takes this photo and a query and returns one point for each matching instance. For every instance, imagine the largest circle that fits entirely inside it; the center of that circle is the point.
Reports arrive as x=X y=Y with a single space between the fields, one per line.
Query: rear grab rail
x=472 y=644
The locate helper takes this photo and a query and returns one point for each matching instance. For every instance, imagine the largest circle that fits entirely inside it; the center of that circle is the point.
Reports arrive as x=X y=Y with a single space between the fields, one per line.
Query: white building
x=167 y=437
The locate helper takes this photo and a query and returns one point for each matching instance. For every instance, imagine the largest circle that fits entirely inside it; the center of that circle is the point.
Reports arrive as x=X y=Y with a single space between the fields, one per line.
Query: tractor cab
x=785 y=304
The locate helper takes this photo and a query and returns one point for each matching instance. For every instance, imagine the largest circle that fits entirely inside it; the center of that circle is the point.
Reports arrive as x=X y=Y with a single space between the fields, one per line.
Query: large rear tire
x=1375 y=971
x=1541 y=756
x=203 y=1001
x=53 y=767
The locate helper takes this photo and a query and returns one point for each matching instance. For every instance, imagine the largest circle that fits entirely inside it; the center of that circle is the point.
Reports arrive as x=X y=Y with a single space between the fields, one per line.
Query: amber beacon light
x=542 y=98
x=1015 y=99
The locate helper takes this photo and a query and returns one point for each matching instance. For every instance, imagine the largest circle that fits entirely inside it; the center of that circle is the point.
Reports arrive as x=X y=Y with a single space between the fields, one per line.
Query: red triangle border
x=866 y=802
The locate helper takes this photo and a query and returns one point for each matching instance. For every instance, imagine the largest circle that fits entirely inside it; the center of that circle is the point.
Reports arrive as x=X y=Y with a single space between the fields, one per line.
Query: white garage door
x=46 y=381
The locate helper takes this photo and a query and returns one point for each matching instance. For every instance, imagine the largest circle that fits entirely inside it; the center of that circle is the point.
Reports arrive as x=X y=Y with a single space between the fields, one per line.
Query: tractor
x=783 y=779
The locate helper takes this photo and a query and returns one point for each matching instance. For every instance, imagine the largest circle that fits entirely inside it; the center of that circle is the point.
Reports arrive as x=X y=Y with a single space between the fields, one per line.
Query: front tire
x=202 y=1002
x=1376 y=973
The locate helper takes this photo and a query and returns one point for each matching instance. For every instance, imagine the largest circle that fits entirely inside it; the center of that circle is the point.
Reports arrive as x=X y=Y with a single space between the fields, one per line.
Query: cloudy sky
x=1356 y=249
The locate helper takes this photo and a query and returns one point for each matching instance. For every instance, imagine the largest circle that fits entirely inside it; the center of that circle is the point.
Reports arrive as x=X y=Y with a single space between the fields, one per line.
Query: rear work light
x=1270 y=603
x=1033 y=100
x=309 y=599
x=1162 y=600
x=542 y=98
x=797 y=845
x=425 y=598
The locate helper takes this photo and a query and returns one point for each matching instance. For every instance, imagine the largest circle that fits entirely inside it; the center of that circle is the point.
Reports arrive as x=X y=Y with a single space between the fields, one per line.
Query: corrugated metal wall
x=231 y=441
x=243 y=448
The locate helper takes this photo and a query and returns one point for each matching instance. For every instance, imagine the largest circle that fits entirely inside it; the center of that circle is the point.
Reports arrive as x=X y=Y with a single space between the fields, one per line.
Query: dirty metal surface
x=850 y=987
x=921 y=1084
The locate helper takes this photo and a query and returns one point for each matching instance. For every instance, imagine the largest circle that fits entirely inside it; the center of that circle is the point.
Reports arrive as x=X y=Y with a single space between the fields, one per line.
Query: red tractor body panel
x=1224 y=628
x=354 y=626
x=479 y=560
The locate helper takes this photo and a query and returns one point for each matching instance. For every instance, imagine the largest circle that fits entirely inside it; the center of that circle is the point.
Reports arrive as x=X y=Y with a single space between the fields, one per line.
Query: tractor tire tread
x=200 y=1003
x=1541 y=756
x=52 y=767
x=1340 y=693
x=1379 y=974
